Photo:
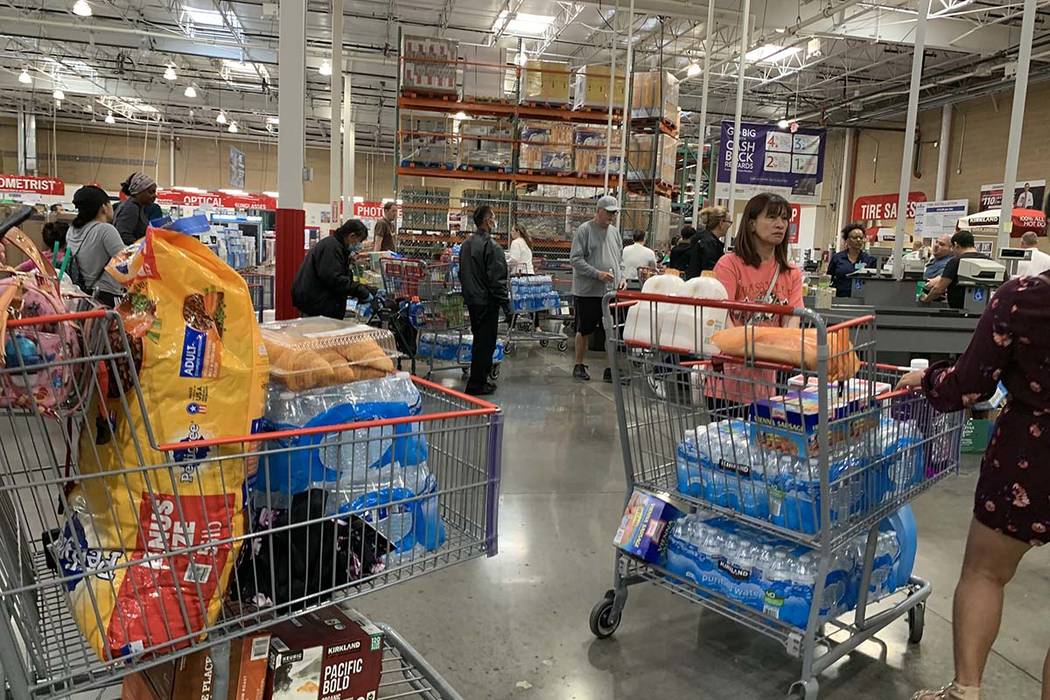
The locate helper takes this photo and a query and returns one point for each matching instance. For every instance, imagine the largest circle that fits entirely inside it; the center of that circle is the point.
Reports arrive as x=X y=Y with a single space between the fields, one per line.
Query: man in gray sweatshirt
x=597 y=267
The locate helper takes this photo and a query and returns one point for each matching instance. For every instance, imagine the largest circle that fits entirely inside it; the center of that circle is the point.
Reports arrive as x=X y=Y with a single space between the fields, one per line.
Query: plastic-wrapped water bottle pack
x=453 y=347
x=531 y=293
x=723 y=464
x=775 y=576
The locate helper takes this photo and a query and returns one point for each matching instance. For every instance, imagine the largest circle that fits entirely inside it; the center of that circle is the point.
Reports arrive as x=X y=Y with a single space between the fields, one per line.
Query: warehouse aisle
x=516 y=625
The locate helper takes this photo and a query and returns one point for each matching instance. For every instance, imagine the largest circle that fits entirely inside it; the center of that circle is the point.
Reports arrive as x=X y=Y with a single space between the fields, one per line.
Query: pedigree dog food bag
x=136 y=544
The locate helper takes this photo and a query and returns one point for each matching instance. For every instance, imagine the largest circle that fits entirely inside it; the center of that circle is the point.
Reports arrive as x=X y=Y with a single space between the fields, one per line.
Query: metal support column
x=335 y=147
x=625 y=124
x=609 y=117
x=27 y=163
x=349 y=148
x=745 y=17
x=846 y=185
x=1013 y=146
x=909 y=137
x=291 y=152
x=171 y=158
x=943 y=144
x=702 y=139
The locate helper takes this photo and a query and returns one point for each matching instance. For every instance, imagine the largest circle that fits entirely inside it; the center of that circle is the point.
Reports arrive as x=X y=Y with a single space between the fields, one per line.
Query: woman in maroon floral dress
x=1011 y=511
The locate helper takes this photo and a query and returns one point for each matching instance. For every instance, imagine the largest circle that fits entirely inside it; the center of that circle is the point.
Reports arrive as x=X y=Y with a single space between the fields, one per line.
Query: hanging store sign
x=773 y=160
x=32 y=184
x=236 y=167
x=986 y=223
x=1028 y=194
x=199 y=198
x=933 y=219
x=883 y=207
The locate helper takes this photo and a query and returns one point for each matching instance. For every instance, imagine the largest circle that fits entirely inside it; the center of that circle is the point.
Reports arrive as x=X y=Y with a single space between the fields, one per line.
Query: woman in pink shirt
x=758 y=271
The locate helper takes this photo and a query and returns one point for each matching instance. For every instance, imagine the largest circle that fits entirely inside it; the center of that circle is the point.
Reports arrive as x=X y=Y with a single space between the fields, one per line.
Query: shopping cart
x=260 y=286
x=537 y=313
x=560 y=272
x=80 y=615
x=812 y=455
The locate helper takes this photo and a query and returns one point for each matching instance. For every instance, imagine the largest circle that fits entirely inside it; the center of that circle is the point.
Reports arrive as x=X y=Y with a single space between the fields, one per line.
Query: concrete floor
x=516 y=625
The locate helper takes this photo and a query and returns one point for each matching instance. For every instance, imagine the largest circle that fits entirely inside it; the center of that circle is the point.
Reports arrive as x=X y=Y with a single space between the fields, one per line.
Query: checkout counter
x=907 y=327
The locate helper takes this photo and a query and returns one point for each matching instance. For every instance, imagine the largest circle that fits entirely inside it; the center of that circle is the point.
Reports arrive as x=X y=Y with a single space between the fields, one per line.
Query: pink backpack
x=31 y=376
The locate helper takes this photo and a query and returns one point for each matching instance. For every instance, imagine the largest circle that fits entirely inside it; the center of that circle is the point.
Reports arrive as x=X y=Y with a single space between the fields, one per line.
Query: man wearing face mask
x=324 y=282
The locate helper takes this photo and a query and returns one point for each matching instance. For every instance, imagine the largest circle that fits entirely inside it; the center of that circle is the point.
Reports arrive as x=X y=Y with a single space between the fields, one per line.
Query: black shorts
x=588 y=314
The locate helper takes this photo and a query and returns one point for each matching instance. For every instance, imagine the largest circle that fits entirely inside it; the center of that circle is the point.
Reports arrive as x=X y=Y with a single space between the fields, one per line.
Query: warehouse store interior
x=465 y=349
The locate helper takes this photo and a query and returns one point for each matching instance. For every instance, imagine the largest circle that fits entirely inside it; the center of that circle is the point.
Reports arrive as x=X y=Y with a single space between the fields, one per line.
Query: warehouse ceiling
x=177 y=64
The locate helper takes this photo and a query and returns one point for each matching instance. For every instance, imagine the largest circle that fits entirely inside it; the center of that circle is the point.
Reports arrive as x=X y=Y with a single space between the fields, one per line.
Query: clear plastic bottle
x=777 y=584
x=886 y=552
x=803 y=574
x=712 y=546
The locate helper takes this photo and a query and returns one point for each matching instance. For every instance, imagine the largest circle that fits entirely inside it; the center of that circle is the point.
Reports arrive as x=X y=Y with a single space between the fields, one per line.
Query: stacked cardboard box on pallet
x=592 y=88
x=545 y=146
x=427 y=140
x=486 y=143
x=430 y=66
x=654 y=95
x=546 y=82
x=543 y=217
x=498 y=200
x=656 y=220
x=589 y=149
x=641 y=162
x=424 y=208
x=484 y=72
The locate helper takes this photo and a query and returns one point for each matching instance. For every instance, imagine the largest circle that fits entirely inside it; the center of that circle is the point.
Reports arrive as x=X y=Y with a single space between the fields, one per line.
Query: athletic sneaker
x=580 y=372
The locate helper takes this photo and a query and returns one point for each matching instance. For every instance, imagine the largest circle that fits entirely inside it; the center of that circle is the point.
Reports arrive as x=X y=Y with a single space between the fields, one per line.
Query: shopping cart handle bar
x=897 y=393
x=859 y=320
x=779 y=309
x=621 y=304
x=480 y=403
x=759 y=364
x=56 y=318
x=323 y=429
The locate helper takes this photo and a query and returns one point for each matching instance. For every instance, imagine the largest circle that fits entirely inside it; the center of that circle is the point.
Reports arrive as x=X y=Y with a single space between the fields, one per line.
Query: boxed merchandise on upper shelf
x=312 y=352
x=425 y=208
x=546 y=82
x=590 y=144
x=427 y=139
x=486 y=144
x=592 y=88
x=649 y=166
x=544 y=217
x=484 y=72
x=430 y=66
x=654 y=95
x=545 y=146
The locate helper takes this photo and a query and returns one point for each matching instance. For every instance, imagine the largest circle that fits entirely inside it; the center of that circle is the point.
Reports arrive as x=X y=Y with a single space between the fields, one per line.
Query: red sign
x=368 y=210
x=34 y=185
x=987 y=222
x=193 y=198
x=883 y=207
x=796 y=218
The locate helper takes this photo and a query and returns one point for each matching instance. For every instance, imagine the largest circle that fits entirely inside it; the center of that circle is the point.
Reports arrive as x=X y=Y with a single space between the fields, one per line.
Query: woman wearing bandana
x=132 y=217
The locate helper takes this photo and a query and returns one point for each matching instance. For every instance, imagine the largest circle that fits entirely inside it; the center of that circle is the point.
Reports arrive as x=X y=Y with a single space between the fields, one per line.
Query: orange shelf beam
x=517 y=178
x=504 y=109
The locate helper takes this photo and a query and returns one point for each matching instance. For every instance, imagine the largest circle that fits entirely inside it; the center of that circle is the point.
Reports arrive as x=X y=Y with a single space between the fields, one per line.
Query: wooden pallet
x=428 y=165
x=483 y=168
x=551 y=173
x=443 y=96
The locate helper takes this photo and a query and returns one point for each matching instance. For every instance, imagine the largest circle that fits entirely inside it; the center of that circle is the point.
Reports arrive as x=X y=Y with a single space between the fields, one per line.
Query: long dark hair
x=88 y=200
x=523 y=232
x=772 y=205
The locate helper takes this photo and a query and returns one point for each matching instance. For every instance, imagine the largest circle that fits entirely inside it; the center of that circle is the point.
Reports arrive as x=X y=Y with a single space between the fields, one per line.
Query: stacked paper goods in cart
x=758 y=570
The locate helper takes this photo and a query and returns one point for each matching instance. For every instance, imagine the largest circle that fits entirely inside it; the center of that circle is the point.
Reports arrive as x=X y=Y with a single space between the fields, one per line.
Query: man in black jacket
x=324 y=283
x=483 y=277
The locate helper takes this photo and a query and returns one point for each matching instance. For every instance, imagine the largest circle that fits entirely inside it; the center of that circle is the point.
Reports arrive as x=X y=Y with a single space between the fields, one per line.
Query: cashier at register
x=948 y=283
x=851 y=259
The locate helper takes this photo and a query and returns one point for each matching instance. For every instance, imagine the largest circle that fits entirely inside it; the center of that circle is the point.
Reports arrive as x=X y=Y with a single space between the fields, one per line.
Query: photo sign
x=773 y=160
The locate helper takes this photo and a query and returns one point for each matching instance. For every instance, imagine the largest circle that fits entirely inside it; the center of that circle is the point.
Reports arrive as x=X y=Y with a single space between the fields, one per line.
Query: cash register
x=980 y=278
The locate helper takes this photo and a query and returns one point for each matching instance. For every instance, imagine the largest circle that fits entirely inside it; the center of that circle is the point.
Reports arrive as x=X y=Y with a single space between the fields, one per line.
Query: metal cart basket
x=807 y=453
x=86 y=601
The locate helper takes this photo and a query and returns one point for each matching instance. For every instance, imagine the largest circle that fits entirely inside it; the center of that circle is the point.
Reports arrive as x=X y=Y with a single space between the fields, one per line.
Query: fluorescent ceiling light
x=813 y=48
x=232 y=69
x=81 y=8
x=170 y=74
x=693 y=69
x=783 y=124
x=771 y=53
x=109 y=118
x=190 y=91
x=529 y=24
x=58 y=94
x=209 y=17
x=273 y=120
x=24 y=78
x=221 y=118
x=325 y=68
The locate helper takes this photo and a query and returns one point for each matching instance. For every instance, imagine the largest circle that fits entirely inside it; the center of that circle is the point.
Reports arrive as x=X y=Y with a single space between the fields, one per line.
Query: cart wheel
x=603 y=620
x=508 y=348
x=544 y=343
x=916 y=623
x=494 y=372
x=804 y=691
x=563 y=345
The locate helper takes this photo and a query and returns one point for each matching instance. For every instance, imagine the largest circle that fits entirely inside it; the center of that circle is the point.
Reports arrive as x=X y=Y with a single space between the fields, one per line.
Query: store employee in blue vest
x=849 y=260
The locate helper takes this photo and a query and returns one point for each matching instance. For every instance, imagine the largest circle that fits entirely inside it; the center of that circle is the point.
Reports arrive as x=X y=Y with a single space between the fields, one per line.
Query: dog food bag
x=142 y=574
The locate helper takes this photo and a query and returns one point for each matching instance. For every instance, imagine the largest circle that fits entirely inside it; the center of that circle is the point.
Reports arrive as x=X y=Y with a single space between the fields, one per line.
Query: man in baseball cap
x=597 y=268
